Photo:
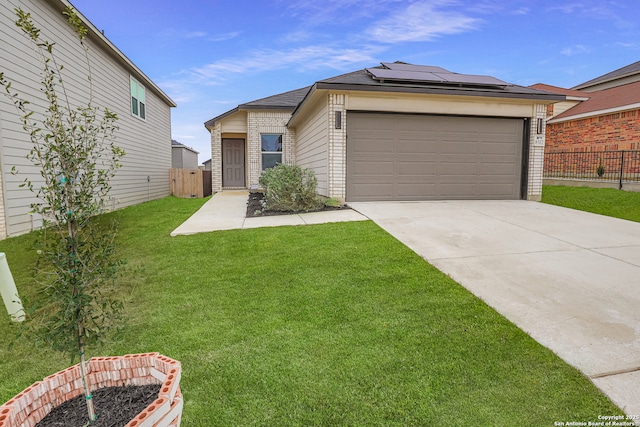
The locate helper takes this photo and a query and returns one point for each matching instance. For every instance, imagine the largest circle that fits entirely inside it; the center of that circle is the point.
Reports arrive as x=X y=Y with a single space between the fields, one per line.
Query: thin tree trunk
x=85 y=383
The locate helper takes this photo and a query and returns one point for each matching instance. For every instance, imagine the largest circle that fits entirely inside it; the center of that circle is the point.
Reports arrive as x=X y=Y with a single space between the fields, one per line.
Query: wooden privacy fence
x=190 y=183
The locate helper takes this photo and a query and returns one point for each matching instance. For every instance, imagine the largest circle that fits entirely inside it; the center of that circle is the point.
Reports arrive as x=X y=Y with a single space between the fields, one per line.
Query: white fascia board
x=577 y=98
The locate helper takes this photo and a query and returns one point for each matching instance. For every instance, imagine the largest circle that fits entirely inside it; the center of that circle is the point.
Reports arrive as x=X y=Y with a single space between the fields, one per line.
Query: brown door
x=233 y=171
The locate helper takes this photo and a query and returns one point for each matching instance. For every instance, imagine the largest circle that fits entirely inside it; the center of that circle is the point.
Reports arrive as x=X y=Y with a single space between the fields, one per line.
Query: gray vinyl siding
x=183 y=158
x=147 y=143
x=312 y=144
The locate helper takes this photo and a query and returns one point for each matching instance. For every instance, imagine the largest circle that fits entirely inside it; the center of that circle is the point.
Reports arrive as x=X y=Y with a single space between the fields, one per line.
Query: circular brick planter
x=35 y=402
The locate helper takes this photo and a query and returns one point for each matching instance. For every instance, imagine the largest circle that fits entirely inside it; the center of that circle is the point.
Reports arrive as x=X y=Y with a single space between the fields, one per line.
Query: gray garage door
x=423 y=157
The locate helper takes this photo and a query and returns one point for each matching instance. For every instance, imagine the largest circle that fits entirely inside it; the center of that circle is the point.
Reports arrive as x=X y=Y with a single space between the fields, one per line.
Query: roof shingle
x=614 y=98
x=613 y=75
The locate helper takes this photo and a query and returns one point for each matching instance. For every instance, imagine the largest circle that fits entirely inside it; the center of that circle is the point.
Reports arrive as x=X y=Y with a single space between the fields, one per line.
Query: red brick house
x=602 y=114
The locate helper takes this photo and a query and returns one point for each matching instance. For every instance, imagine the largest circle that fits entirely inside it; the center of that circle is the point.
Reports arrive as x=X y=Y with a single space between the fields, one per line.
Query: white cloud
x=224 y=37
x=575 y=50
x=304 y=58
x=195 y=34
x=421 y=21
x=627 y=44
x=314 y=13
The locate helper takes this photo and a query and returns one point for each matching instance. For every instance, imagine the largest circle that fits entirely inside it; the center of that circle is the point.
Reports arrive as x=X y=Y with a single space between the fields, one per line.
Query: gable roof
x=369 y=79
x=177 y=144
x=620 y=73
x=104 y=43
x=282 y=101
x=366 y=80
x=571 y=94
x=604 y=101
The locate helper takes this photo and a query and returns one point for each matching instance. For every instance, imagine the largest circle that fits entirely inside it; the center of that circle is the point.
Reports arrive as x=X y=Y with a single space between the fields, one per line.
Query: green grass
x=604 y=201
x=335 y=324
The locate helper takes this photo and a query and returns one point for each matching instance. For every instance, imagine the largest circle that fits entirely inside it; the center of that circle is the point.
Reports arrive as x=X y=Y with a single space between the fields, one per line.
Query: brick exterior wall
x=216 y=158
x=610 y=132
x=337 y=179
x=536 y=155
x=259 y=122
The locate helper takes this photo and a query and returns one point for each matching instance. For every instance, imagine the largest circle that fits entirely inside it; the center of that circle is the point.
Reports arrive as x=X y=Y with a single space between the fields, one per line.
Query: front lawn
x=335 y=324
x=604 y=201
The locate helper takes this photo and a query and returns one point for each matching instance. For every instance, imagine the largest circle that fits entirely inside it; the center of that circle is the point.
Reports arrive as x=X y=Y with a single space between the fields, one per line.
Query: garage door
x=422 y=157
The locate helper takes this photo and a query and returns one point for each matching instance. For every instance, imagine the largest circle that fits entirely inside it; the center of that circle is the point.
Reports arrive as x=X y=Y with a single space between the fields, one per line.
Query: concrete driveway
x=569 y=279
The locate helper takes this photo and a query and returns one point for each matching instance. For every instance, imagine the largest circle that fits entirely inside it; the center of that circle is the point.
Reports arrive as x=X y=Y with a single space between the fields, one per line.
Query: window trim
x=138 y=99
x=262 y=152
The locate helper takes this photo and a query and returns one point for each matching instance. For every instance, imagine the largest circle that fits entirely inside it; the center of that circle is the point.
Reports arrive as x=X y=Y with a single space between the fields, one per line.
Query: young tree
x=73 y=148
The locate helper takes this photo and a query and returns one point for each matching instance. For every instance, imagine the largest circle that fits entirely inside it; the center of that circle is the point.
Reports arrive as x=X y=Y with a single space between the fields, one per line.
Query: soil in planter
x=115 y=406
x=255 y=208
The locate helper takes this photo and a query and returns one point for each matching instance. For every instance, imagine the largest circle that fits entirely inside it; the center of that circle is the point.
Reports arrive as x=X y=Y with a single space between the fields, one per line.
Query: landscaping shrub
x=290 y=188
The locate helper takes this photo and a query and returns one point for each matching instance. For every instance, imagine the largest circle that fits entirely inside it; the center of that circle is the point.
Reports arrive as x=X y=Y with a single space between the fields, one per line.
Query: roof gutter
x=432 y=90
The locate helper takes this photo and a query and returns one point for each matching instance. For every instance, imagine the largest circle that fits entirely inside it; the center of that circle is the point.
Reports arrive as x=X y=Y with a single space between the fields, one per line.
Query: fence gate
x=207 y=187
x=187 y=183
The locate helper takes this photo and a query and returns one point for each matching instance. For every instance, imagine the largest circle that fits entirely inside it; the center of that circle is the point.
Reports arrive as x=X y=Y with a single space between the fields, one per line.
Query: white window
x=271 y=150
x=138 y=100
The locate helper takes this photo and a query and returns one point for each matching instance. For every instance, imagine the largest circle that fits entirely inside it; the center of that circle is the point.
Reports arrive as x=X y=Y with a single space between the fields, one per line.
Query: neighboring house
x=393 y=132
x=183 y=157
x=144 y=110
x=602 y=114
x=207 y=165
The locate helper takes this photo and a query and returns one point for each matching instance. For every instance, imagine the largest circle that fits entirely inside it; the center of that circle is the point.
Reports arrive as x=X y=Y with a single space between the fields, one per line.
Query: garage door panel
x=363 y=171
x=457 y=147
x=375 y=147
x=457 y=191
x=458 y=169
x=492 y=190
x=408 y=147
x=494 y=148
x=418 y=169
x=422 y=157
x=494 y=170
x=375 y=191
x=407 y=191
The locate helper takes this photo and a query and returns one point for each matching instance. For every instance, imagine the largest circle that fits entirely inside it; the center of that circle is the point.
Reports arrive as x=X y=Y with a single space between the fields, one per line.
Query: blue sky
x=211 y=55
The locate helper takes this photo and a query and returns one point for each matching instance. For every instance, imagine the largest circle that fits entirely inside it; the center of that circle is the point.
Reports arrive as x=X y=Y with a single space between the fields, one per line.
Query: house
x=183 y=157
x=602 y=114
x=144 y=110
x=206 y=165
x=393 y=132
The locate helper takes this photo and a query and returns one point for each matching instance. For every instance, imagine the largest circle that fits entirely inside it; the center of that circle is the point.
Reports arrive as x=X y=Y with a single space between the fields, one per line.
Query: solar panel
x=384 y=74
x=416 y=68
x=400 y=72
x=473 y=79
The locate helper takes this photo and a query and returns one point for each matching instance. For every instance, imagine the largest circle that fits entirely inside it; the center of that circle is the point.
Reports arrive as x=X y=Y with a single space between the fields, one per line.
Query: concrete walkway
x=570 y=279
x=226 y=211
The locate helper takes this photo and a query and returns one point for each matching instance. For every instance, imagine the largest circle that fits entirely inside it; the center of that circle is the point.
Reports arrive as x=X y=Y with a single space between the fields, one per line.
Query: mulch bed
x=115 y=406
x=255 y=208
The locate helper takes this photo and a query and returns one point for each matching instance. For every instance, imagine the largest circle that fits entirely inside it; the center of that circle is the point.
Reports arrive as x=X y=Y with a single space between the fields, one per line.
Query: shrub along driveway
x=568 y=278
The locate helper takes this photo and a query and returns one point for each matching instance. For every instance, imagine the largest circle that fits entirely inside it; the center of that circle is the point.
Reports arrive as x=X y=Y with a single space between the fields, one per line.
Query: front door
x=233 y=173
